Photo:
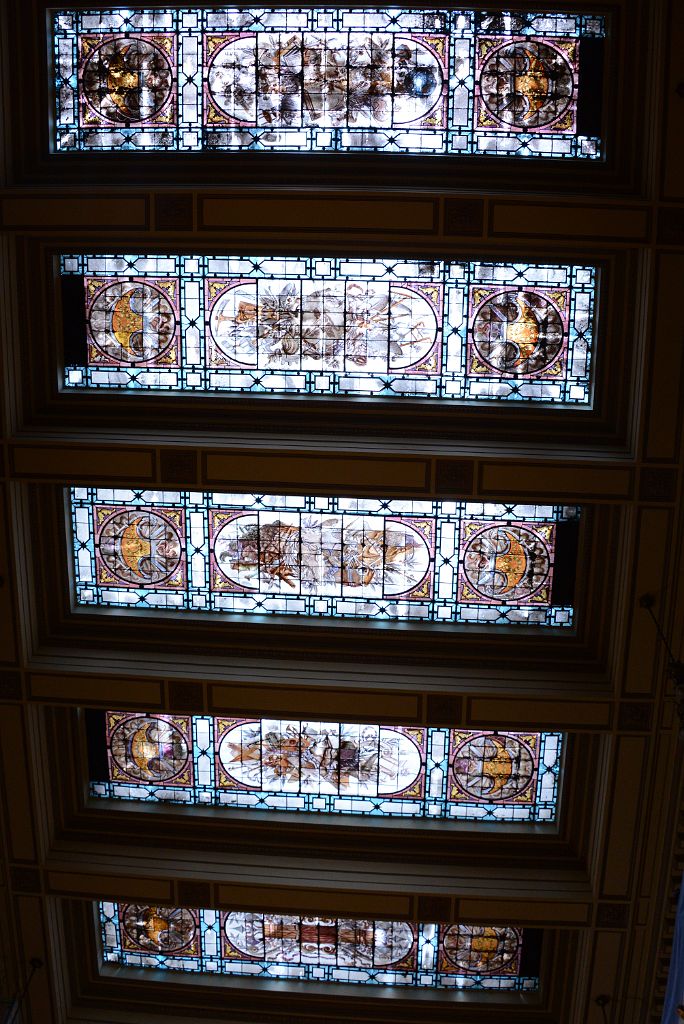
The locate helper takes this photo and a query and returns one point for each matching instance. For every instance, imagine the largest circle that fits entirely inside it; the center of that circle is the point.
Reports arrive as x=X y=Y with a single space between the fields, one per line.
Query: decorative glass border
x=483 y=776
x=396 y=80
x=434 y=329
x=309 y=948
x=363 y=558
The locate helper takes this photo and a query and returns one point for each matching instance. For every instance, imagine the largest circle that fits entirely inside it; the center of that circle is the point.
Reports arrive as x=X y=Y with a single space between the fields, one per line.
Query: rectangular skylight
x=283 y=764
x=311 y=948
x=301 y=80
x=479 y=563
x=331 y=326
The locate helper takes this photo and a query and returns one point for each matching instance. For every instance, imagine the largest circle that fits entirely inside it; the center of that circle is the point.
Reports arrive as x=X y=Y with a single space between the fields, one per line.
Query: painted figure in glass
x=317 y=940
x=343 y=327
x=327 y=79
x=320 y=757
x=321 y=555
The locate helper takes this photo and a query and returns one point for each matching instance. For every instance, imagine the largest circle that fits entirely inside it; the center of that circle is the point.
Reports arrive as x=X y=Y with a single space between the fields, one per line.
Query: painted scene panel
x=338 y=759
x=321 y=554
x=336 y=942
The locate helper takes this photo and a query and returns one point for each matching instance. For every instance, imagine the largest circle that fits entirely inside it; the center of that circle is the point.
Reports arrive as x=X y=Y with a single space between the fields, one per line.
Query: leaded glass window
x=279 y=946
x=433 y=329
x=325 y=767
x=365 y=558
x=390 y=80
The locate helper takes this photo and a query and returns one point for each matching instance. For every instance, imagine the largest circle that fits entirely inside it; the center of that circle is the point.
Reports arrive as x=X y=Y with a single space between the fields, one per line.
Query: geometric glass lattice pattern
x=309 y=948
x=393 y=80
x=326 y=767
x=364 y=558
x=331 y=326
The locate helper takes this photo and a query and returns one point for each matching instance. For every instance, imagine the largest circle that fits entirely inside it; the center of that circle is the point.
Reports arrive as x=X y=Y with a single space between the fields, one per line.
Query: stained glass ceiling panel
x=434 y=329
x=390 y=80
x=364 y=558
x=325 y=767
x=293 y=947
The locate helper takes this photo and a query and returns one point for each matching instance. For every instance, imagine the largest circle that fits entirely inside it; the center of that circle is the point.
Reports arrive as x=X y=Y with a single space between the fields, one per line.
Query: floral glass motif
x=365 y=558
x=397 y=80
x=335 y=326
x=332 y=767
x=310 y=948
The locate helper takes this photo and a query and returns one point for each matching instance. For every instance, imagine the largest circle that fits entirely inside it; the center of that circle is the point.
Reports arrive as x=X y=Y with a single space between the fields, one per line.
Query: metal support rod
x=647 y=601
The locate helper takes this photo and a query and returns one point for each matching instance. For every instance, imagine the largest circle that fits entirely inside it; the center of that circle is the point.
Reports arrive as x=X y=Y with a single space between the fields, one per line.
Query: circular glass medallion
x=475 y=949
x=159 y=929
x=518 y=333
x=506 y=562
x=131 y=322
x=527 y=84
x=127 y=80
x=496 y=768
x=149 y=749
x=139 y=547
